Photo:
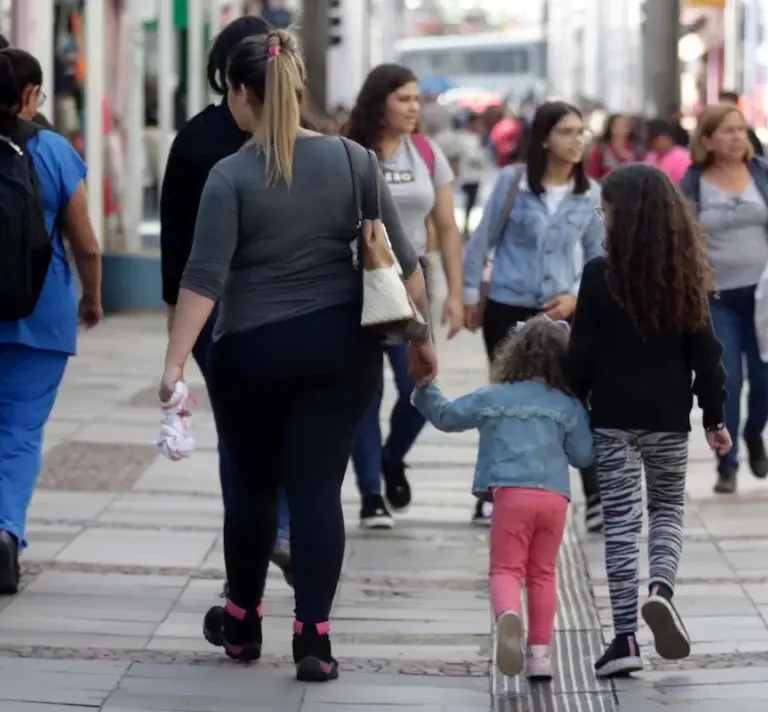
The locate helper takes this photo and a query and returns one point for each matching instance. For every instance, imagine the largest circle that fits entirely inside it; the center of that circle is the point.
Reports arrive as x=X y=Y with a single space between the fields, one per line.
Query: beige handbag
x=388 y=310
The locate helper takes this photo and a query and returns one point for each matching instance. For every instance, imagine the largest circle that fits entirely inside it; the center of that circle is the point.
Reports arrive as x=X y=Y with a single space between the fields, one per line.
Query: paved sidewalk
x=125 y=557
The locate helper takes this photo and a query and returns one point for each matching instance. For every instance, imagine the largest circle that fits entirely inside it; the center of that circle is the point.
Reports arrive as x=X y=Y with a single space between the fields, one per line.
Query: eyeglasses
x=600 y=211
x=581 y=134
x=41 y=97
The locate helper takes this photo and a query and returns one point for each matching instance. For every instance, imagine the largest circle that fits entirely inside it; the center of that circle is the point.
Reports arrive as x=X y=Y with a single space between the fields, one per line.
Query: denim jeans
x=200 y=352
x=733 y=318
x=404 y=427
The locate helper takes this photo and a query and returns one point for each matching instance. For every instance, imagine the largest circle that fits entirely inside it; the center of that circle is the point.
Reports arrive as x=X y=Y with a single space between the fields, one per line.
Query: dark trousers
x=200 y=352
x=287 y=398
x=498 y=320
x=470 y=191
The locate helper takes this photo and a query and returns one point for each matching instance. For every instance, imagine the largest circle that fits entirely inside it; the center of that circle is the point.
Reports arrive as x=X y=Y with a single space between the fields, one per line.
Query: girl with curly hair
x=642 y=345
x=531 y=429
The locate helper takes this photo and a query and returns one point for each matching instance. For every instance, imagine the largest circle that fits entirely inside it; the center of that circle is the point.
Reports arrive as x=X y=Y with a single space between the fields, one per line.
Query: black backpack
x=26 y=246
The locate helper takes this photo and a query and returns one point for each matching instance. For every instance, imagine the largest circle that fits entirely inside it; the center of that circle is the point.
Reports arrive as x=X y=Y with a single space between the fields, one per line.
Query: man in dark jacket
x=731 y=97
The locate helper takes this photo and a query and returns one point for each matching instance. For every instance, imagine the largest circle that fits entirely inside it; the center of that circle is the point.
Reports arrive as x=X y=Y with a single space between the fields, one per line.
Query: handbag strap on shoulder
x=509 y=203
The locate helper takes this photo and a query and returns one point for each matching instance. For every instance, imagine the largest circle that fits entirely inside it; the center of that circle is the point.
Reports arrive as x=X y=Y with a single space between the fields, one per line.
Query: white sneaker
x=509 y=644
x=175 y=441
x=538 y=663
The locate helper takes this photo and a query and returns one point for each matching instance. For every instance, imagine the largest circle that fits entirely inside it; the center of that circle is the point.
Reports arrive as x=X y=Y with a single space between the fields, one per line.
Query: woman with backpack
x=542 y=226
x=42 y=196
x=383 y=120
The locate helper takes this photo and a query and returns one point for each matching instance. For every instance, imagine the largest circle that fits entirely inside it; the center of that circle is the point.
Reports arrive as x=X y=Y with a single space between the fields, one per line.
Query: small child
x=531 y=429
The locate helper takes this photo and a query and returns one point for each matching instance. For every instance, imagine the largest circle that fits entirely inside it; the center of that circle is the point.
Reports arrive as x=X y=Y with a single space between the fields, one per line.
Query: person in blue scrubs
x=34 y=351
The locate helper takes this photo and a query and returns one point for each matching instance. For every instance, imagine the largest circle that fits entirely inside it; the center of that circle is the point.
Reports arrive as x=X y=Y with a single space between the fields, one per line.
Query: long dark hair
x=10 y=97
x=547 y=116
x=366 y=119
x=658 y=269
x=222 y=47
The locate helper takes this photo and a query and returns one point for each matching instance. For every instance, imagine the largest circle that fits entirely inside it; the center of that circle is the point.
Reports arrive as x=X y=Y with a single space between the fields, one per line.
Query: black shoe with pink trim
x=236 y=630
x=621 y=659
x=312 y=653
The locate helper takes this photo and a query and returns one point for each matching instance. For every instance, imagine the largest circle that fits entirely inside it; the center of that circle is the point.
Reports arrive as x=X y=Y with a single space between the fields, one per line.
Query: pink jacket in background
x=674 y=162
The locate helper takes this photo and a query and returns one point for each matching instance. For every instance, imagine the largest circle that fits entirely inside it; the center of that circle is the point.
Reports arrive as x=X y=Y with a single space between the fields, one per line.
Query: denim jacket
x=529 y=433
x=540 y=256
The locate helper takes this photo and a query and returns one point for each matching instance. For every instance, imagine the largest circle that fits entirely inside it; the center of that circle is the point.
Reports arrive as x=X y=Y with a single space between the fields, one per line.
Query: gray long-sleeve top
x=273 y=252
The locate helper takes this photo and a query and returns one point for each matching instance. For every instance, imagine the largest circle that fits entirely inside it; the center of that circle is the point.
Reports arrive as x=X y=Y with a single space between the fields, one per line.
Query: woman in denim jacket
x=540 y=247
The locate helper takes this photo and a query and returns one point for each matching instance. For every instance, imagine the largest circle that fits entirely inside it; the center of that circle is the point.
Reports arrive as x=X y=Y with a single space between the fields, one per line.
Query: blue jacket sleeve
x=483 y=241
x=465 y=413
x=579 y=444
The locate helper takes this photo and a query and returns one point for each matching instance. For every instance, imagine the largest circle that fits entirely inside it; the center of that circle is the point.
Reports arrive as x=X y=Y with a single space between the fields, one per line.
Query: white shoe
x=509 y=644
x=175 y=441
x=538 y=663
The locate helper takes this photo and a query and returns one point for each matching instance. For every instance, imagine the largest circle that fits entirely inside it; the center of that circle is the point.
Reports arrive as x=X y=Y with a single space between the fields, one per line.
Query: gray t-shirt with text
x=413 y=189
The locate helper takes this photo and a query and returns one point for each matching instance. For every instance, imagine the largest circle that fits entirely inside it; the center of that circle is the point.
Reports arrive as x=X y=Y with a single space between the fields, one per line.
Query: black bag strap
x=357 y=196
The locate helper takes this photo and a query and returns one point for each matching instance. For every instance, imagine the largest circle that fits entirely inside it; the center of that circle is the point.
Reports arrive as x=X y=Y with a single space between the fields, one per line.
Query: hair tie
x=274 y=50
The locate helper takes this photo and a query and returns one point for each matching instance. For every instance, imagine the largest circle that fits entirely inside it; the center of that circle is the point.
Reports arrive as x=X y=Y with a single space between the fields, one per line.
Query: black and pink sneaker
x=236 y=630
x=621 y=659
x=312 y=653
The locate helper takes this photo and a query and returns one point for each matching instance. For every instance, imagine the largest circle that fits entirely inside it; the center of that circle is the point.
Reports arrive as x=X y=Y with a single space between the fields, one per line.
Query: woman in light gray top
x=291 y=371
x=729 y=188
x=384 y=118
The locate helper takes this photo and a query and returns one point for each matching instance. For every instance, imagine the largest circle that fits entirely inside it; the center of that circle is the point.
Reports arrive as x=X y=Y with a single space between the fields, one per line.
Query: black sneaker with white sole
x=594 y=515
x=669 y=634
x=374 y=513
x=481 y=516
x=397 y=489
x=621 y=659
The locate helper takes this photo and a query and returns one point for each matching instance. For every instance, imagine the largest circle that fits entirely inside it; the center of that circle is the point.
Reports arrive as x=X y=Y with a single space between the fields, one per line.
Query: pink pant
x=526 y=532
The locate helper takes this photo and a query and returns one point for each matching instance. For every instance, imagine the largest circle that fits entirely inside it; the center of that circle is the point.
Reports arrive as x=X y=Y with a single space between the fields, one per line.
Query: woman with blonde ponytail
x=291 y=370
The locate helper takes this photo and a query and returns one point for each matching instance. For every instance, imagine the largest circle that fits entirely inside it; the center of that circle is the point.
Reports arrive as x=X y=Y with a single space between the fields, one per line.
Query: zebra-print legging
x=621 y=456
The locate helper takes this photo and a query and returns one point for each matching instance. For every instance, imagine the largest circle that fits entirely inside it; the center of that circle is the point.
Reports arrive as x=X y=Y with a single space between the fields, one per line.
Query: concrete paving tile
x=347 y=694
x=356 y=707
x=755 y=691
x=138 y=548
x=43 y=707
x=58 y=505
x=156 y=510
x=56 y=639
x=56 y=687
x=689 y=678
x=196 y=475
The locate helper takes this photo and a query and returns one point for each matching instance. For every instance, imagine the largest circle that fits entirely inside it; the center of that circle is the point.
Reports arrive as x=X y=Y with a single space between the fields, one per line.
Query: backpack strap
x=427 y=153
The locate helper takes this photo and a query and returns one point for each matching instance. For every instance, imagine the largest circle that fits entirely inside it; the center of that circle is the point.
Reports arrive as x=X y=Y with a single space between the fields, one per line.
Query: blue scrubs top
x=53 y=324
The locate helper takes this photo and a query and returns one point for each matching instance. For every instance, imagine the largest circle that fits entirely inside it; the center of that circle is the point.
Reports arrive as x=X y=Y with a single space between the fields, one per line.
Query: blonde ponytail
x=281 y=113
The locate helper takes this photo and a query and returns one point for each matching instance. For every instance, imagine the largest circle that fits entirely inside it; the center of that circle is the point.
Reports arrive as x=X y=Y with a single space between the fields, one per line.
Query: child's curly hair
x=535 y=351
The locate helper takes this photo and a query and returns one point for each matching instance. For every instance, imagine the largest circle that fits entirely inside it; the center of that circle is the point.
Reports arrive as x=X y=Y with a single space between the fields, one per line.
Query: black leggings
x=287 y=398
x=498 y=320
